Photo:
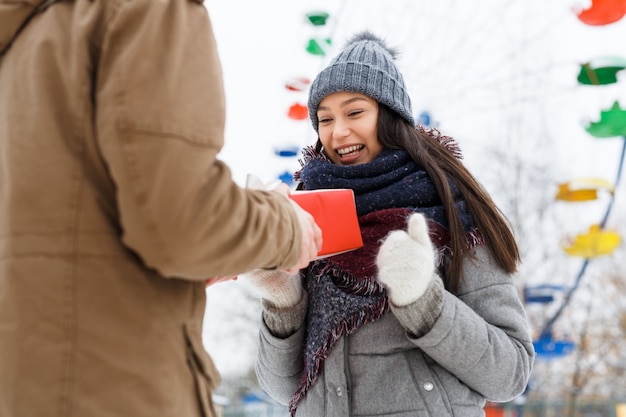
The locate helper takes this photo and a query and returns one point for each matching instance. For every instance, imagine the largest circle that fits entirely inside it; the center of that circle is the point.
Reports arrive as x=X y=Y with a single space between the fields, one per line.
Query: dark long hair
x=426 y=147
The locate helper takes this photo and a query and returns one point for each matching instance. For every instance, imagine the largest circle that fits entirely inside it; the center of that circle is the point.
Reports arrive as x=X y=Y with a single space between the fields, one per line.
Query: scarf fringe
x=447 y=141
x=350 y=283
x=473 y=238
x=308 y=154
x=346 y=328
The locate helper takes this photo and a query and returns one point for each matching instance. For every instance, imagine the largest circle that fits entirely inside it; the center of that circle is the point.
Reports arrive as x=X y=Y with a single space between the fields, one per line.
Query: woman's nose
x=340 y=130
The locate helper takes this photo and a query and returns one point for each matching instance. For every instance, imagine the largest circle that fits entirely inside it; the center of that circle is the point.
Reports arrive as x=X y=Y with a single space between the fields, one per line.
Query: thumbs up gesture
x=406 y=262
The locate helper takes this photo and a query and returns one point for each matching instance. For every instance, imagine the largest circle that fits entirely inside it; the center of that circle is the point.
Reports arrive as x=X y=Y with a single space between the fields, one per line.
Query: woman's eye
x=355 y=112
x=324 y=119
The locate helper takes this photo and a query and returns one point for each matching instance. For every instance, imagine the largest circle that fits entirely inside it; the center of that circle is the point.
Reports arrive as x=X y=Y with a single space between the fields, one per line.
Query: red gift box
x=334 y=211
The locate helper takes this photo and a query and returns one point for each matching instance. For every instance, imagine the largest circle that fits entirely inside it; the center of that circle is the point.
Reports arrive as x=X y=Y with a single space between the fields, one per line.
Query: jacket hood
x=13 y=15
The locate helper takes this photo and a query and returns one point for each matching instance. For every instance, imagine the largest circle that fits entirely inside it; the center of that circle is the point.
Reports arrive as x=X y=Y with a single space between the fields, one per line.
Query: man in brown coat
x=114 y=208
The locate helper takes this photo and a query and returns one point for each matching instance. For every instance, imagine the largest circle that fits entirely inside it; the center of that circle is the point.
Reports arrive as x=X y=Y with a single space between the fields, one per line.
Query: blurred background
x=534 y=93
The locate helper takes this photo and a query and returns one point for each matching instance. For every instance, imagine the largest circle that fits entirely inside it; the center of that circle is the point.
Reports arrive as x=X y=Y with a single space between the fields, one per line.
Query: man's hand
x=215 y=280
x=311 y=233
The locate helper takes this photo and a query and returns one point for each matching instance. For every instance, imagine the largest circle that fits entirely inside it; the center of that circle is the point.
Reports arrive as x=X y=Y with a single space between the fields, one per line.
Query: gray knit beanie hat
x=365 y=65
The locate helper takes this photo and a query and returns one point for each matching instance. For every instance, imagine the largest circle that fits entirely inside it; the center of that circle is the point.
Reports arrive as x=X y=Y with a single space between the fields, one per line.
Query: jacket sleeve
x=481 y=336
x=279 y=361
x=160 y=115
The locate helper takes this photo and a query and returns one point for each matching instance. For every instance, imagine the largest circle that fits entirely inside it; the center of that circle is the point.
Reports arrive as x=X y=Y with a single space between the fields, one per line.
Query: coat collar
x=14 y=15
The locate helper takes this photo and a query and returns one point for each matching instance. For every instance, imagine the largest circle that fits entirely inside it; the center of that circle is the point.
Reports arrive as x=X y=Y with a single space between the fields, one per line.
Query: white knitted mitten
x=278 y=288
x=406 y=262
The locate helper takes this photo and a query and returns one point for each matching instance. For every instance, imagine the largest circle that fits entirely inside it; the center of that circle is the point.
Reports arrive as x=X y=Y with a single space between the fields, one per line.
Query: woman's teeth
x=349 y=149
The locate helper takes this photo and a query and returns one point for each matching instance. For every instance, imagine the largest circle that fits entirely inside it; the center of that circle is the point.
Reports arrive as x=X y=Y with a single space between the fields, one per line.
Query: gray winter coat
x=479 y=349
